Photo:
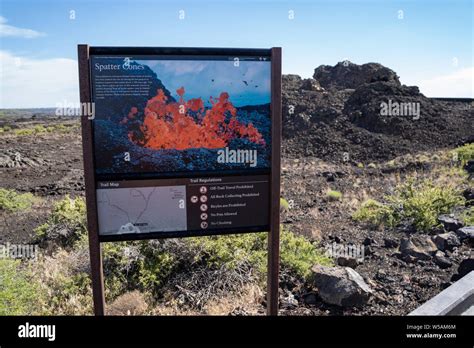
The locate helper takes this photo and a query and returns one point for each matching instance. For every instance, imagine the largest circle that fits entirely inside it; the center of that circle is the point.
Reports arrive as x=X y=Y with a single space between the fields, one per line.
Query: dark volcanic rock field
x=338 y=112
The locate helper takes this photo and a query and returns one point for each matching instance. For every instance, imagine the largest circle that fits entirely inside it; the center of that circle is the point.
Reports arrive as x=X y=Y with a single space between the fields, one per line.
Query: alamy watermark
x=19 y=251
x=247 y=156
x=65 y=108
x=393 y=108
x=355 y=251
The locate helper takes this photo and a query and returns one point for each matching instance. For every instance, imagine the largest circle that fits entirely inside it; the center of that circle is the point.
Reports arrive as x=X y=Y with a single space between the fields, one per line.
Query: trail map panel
x=141 y=209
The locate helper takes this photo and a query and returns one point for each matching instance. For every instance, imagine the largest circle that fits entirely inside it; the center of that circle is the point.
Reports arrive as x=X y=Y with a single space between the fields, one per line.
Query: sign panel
x=181 y=141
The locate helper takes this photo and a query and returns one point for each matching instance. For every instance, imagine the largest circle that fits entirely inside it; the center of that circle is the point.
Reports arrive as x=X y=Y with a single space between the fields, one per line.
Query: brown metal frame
x=97 y=273
x=274 y=233
x=90 y=184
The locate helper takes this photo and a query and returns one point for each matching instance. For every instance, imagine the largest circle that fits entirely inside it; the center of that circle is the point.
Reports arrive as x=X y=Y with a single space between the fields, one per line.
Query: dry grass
x=130 y=303
x=247 y=301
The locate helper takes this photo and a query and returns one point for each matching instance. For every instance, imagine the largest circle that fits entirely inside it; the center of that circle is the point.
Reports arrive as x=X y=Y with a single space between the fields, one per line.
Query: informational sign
x=180 y=142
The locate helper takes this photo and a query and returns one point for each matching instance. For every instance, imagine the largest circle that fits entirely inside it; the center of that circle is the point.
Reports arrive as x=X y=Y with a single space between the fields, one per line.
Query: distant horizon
x=174 y=94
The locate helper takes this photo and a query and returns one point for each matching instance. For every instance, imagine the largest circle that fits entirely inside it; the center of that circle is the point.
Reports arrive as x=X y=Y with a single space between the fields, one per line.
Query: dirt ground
x=399 y=287
x=47 y=165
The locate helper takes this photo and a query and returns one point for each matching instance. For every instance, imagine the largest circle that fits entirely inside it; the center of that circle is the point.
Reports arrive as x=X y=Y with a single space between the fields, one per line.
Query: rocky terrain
x=338 y=151
x=338 y=112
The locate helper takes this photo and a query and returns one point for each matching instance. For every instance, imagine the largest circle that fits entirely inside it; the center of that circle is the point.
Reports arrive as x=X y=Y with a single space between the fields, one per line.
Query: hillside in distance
x=338 y=112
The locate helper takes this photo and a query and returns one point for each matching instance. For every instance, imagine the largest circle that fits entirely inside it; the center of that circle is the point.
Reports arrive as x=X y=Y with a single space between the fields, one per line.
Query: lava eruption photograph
x=179 y=114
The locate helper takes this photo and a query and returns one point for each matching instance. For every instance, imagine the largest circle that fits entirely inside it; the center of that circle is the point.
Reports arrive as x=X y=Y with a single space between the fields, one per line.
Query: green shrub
x=155 y=269
x=67 y=213
x=391 y=163
x=66 y=292
x=39 y=129
x=467 y=217
x=50 y=288
x=61 y=128
x=423 y=202
x=64 y=282
x=12 y=201
x=298 y=255
x=162 y=267
x=119 y=270
x=71 y=211
x=24 y=131
x=465 y=153
x=284 y=204
x=334 y=195
x=149 y=265
x=419 y=203
x=230 y=250
x=376 y=213
x=142 y=265
x=18 y=293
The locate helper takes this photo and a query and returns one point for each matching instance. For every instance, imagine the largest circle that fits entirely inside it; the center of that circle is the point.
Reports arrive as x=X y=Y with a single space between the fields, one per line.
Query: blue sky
x=428 y=44
x=203 y=79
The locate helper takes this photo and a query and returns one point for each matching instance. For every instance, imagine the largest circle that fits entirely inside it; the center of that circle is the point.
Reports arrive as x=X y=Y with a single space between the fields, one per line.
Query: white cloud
x=10 y=30
x=33 y=83
x=457 y=84
x=184 y=66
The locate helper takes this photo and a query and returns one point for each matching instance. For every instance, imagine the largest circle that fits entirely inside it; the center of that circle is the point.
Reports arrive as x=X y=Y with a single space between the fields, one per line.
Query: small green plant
x=230 y=250
x=420 y=203
x=298 y=255
x=120 y=270
x=61 y=128
x=376 y=213
x=155 y=269
x=12 y=201
x=372 y=165
x=64 y=283
x=422 y=158
x=18 y=293
x=24 y=131
x=467 y=216
x=334 y=195
x=65 y=292
x=423 y=202
x=360 y=165
x=284 y=205
x=39 y=129
x=69 y=213
x=465 y=153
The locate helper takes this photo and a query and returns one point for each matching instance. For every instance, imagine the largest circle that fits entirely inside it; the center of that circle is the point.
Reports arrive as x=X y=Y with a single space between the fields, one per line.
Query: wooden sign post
x=180 y=190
